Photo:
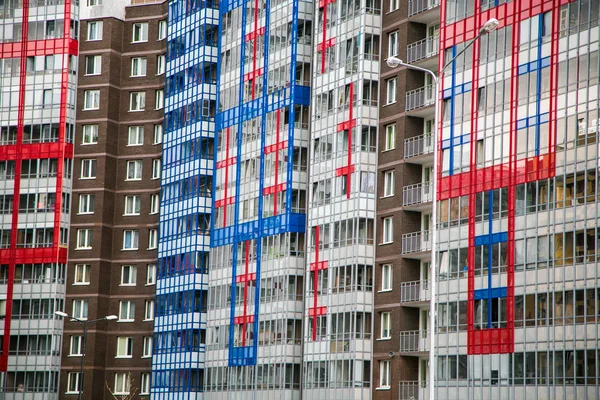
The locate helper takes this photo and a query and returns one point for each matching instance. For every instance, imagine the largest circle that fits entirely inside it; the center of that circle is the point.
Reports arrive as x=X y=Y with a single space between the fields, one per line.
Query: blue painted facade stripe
x=485 y=294
x=533 y=121
x=452 y=111
x=458 y=141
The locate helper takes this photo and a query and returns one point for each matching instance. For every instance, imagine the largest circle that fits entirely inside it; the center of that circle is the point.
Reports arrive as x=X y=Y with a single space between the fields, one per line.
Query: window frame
x=86 y=270
x=91 y=200
x=124 y=347
x=390 y=137
x=138 y=170
x=73 y=382
x=130 y=311
x=389 y=187
x=385 y=228
x=84 y=305
x=133 y=203
x=387 y=276
x=159 y=99
x=137 y=133
x=385 y=325
x=158 y=133
x=150 y=274
x=147 y=347
x=161 y=64
x=143 y=26
x=90 y=166
x=149 y=310
x=93 y=137
x=162 y=29
x=391 y=83
x=139 y=67
x=152 y=239
x=145 y=383
x=393 y=36
x=79 y=346
x=95 y=97
x=156 y=168
x=154 y=203
x=96 y=63
x=141 y=101
x=384 y=379
x=135 y=239
x=132 y=275
x=98 y=30
x=125 y=388
x=88 y=233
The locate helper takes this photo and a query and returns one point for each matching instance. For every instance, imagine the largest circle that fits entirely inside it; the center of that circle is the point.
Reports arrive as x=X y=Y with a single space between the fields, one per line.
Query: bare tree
x=132 y=391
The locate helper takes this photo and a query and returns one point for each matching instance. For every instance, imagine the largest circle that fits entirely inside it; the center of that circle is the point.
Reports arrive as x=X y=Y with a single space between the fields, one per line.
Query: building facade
x=114 y=216
x=38 y=64
x=518 y=202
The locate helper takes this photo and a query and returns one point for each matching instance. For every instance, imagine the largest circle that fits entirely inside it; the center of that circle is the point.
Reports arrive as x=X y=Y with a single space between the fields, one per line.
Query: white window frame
x=394 y=5
x=387 y=275
x=152 y=239
x=86 y=204
x=95 y=61
x=139 y=66
x=156 y=168
x=384 y=374
x=150 y=274
x=91 y=100
x=83 y=305
x=162 y=29
x=149 y=310
x=134 y=240
x=390 y=137
x=137 y=99
x=129 y=307
x=139 y=29
x=393 y=44
x=147 y=347
x=135 y=135
x=385 y=331
x=154 y=203
x=83 y=271
x=128 y=275
x=84 y=239
x=89 y=134
x=137 y=170
x=391 y=91
x=96 y=28
x=88 y=168
x=388 y=183
x=159 y=99
x=124 y=347
x=161 y=63
x=76 y=342
x=387 y=235
x=133 y=205
x=93 y=3
x=158 y=133
x=145 y=383
x=122 y=384
x=73 y=382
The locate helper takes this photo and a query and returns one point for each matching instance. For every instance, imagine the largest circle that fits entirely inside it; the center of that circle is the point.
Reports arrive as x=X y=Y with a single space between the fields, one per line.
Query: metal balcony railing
x=417 y=194
x=416 y=242
x=418 y=6
x=414 y=291
x=414 y=341
x=418 y=145
x=422 y=49
x=412 y=390
x=420 y=97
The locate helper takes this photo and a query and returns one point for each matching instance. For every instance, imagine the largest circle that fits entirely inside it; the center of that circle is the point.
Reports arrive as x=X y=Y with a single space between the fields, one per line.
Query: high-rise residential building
x=186 y=200
x=115 y=202
x=38 y=74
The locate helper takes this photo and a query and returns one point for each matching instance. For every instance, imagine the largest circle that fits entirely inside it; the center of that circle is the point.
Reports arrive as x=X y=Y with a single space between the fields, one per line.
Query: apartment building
x=115 y=205
x=38 y=74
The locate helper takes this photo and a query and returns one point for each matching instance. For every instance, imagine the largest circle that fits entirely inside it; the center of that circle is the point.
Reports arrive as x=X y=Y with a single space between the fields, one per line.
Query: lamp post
x=84 y=323
x=393 y=62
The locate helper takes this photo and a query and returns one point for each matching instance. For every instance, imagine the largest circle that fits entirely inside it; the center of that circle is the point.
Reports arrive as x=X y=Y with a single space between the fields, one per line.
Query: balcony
x=413 y=390
x=417 y=244
x=418 y=146
x=414 y=342
x=418 y=99
x=414 y=292
x=417 y=7
x=416 y=197
x=424 y=48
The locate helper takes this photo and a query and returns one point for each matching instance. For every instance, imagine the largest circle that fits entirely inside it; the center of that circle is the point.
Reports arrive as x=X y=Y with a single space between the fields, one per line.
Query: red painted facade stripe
x=248 y=319
x=274 y=189
x=253 y=74
x=323 y=3
x=37 y=150
x=346 y=125
x=276 y=146
x=253 y=35
x=227 y=201
x=343 y=171
x=324 y=45
x=226 y=162
x=316 y=311
x=319 y=265
x=245 y=278
x=32 y=48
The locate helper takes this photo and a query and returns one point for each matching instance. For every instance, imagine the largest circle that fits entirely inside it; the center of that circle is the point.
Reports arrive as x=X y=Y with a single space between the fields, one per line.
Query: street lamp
x=393 y=62
x=84 y=323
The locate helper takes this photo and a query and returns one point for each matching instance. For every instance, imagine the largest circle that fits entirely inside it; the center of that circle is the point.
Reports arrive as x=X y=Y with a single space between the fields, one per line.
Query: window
x=394 y=5
x=151 y=274
x=149 y=310
x=80 y=309
x=73 y=379
x=86 y=203
x=388 y=183
x=147 y=350
x=390 y=137
x=138 y=66
x=47 y=98
x=145 y=383
x=156 y=168
x=386 y=277
x=136 y=136
x=90 y=134
x=84 y=239
x=82 y=274
x=132 y=205
x=91 y=100
x=137 y=101
x=391 y=91
x=131 y=239
x=388 y=230
x=128 y=275
x=140 y=32
x=152 y=239
x=92 y=3
x=154 y=203
x=162 y=29
x=393 y=44
x=386 y=326
x=94 y=30
x=76 y=346
x=93 y=65
x=161 y=62
x=159 y=99
x=158 y=133
x=88 y=169
x=126 y=311
x=122 y=383
x=134 y=170
x=384 y=374
x=124 y=347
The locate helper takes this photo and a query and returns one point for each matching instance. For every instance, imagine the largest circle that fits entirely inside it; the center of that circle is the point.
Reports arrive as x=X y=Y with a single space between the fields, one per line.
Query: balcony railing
x=420 y=97
x=417 y=194
x=416 y=242
x=412 y=390
x=419 y=6
x=422 y=49
x=414 y=341
x=418 y=145
x=414 y=291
